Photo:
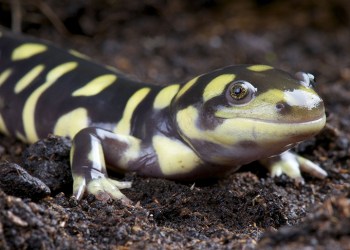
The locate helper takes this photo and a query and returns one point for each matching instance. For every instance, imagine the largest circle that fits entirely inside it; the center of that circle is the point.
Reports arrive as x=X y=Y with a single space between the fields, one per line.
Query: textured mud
x=171 y=41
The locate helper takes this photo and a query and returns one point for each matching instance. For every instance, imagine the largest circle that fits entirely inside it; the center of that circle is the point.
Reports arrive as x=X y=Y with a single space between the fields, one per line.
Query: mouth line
x=320 y=119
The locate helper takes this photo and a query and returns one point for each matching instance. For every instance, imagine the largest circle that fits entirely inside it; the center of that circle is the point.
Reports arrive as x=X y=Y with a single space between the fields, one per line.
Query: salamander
x=204 y=127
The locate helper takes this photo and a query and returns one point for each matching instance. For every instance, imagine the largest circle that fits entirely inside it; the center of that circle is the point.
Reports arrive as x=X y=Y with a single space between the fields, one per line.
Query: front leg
x=92 y=149
x=292 y=165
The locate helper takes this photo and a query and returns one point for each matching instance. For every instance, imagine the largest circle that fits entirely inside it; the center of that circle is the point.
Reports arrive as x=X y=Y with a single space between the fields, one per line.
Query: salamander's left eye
x=240 y=92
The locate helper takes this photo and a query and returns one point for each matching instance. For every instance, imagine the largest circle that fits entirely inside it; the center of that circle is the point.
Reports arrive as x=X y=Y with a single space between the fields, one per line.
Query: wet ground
x=172 y=41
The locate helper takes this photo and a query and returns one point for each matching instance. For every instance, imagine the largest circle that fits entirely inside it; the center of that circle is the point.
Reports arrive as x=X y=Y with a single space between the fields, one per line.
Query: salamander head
x=239 y=114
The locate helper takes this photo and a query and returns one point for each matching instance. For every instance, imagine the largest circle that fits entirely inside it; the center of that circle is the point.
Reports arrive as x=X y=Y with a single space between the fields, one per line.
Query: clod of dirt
x=14 y=180
x=48 y=160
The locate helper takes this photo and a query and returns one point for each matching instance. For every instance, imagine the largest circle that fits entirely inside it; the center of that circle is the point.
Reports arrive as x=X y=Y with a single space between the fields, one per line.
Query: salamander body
x=204 y=127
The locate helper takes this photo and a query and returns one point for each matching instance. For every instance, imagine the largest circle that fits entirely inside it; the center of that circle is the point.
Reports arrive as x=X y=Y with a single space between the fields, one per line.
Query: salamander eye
x=240 y=92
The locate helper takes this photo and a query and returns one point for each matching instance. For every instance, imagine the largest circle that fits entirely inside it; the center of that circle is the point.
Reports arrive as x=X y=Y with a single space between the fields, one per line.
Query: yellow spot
x=96 y=85
x=124 y=124
x=78 y=54
x=174 y=157
x=27 y=50
x=5 y=75
x=3 y=127
x=131 y=153
x=186 y=87
x=28 y=78
x=217 y=86
x=165 y=96
x=259 y=68
x=28 y=115
x=72 y=122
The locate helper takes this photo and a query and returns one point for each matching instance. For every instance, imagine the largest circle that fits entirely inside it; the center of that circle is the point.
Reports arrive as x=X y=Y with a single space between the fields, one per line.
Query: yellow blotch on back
x=28 y=78
x=5 y=75
x=124 y=125
x=96 y=85
x=174 y=157
x=259 y=68
x=217 y=86
x=28 y=115
x=27 y=50
x=186 y=87
x=164 y=97
x=72 y=122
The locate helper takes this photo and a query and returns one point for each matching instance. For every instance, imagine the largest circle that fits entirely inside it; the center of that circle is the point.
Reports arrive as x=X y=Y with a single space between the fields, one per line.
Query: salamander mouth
x=307 y=122
x=321 y=119
x=270 y=132
x=297 y=131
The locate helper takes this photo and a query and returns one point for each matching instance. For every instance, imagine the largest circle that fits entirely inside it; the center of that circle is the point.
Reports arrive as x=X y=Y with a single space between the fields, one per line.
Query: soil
x=171 y=41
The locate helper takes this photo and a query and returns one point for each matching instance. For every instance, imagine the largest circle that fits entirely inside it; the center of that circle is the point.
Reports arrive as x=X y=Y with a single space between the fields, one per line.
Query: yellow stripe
x=96 y=155
x=72 y=122
x=3 y=127
x=28 y=78
x=186 y=87
x=124 y=124
x=165 y=96
x=28 y=114
x=78 y=54
x=27 y=50
x=259 y=68
x=5 y=75
x=96 y=85
x=174 y=157
x=217 y=86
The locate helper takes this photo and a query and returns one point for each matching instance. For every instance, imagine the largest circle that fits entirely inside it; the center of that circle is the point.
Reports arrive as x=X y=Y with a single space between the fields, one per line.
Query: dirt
x=171 y=41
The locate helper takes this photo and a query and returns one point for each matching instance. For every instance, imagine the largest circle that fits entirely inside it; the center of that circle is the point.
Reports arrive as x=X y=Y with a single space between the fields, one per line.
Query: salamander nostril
x=283 y=108
x=280 y=106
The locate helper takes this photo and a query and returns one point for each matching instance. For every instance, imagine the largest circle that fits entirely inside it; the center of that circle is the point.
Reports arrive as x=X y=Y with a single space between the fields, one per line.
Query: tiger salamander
x=207 y=126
